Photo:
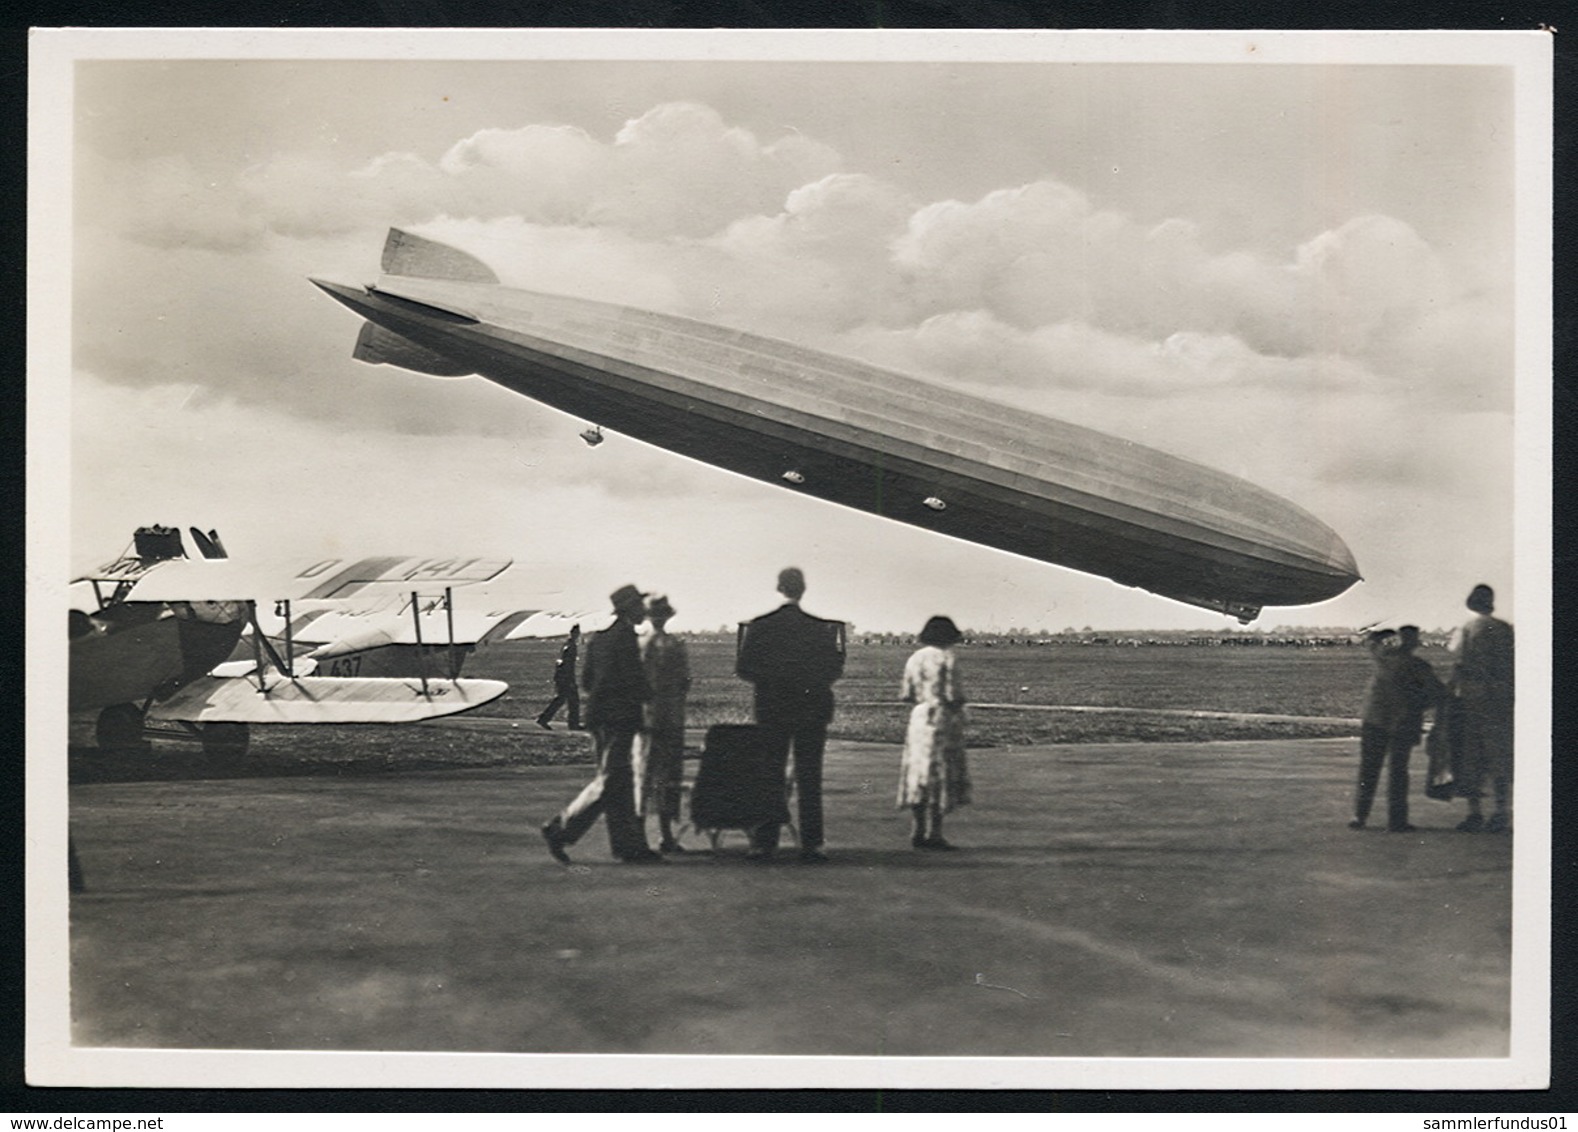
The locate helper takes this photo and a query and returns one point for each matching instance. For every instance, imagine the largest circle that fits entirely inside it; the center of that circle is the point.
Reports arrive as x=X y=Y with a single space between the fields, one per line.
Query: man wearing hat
x=616 y=690
x=1482 y=682
x=793 y=658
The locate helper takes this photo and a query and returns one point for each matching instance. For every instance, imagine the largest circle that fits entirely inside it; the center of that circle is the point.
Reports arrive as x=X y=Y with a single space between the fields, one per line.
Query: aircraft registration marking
x=344 y=666
x=385 y=570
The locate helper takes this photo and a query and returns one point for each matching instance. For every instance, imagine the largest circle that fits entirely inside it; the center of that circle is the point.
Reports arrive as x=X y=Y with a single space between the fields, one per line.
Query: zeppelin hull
x=881 y=442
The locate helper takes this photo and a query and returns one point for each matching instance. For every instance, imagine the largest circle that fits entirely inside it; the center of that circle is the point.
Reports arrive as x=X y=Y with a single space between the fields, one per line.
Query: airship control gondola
x=856 y=434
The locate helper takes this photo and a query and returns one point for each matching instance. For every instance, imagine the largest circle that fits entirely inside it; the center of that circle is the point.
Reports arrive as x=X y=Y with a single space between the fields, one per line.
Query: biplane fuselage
x=129 y=651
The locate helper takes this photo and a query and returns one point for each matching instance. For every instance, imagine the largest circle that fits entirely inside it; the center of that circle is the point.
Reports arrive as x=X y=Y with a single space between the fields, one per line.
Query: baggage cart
x=736 y=786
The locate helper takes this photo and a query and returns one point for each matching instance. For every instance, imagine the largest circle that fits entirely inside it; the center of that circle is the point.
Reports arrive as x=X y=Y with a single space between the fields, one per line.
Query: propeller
x=208 y=545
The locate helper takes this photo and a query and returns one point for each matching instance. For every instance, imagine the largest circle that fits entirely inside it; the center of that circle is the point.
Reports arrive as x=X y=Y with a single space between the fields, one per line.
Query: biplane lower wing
x=323 y=699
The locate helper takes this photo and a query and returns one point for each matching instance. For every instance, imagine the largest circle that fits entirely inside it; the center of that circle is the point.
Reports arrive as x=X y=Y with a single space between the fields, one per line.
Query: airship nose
x=1340 y=559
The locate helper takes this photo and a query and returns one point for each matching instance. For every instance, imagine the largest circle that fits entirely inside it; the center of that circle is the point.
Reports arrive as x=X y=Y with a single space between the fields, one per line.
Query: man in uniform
x=564 y=689
x=616 y=690
x=792 y=659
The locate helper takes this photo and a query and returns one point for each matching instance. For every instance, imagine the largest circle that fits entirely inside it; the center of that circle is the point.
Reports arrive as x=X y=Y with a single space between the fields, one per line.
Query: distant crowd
x=636 y=688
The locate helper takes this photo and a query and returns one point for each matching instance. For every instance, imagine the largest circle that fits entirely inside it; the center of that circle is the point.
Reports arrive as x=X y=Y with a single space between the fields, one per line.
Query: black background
x=17 y=1097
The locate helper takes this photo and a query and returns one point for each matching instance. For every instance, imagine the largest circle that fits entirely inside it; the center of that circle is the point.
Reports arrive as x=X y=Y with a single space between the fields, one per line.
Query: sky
x=1299 y=273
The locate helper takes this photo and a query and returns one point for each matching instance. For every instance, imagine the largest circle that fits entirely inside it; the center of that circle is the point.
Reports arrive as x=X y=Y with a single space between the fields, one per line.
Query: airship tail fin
x=415 y=256
x=377 y=346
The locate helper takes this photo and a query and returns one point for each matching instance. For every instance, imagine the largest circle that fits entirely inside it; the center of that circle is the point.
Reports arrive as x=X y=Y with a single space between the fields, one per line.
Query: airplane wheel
x=225 y=739
x=119 y=728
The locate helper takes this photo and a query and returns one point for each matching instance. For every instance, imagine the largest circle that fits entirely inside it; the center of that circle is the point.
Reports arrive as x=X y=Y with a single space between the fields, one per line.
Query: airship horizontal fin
x=405 y=254
x=378 y=346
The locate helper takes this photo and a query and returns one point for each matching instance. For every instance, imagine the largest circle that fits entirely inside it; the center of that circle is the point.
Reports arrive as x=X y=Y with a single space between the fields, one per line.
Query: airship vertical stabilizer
x=405 y=254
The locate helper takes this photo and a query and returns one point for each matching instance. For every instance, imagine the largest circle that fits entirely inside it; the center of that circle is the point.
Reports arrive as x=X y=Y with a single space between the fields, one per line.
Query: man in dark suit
x=616 y=688
x=793 y=658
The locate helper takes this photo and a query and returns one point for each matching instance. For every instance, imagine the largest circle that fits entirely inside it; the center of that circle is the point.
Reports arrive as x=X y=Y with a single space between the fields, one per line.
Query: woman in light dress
x=659 y=756
x=933 y=777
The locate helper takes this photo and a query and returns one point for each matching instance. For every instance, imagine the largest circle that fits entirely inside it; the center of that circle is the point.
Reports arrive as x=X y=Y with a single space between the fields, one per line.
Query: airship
x=886 y=443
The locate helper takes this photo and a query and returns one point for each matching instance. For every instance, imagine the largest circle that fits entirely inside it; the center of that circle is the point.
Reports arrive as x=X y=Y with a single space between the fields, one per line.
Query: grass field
x=1313 y=682
x=1302 y=682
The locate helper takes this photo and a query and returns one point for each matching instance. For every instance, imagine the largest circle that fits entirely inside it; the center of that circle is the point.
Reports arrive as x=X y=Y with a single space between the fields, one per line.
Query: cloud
x=554 y=161
x=1344 y=291
x=977 y=348
x=819 y=263
x=1017 y=252
x=678 y=170
x=844 y=218
x=1370 y=291
x=683 y=211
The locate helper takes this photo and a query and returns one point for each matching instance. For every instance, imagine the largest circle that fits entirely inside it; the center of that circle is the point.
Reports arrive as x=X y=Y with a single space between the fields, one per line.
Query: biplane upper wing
x=547 y=623
x=364 y=581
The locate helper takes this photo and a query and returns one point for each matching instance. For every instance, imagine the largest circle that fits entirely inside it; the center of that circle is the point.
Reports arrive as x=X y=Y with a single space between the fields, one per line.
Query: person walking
x=792 y=660
x=616 y=692
x=660 y=748
x=933 y=775
x=1482 y=682
x=1402 y=687
x=564 y=689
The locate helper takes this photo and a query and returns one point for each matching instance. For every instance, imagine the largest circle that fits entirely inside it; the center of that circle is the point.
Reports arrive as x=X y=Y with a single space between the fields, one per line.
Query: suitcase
x=736 y=786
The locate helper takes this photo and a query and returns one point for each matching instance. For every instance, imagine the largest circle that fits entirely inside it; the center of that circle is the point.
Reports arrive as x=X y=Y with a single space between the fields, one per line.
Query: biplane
x=211 y=645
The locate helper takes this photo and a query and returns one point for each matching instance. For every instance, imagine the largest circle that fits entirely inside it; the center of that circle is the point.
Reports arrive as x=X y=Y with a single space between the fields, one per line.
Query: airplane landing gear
x=119 y=728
